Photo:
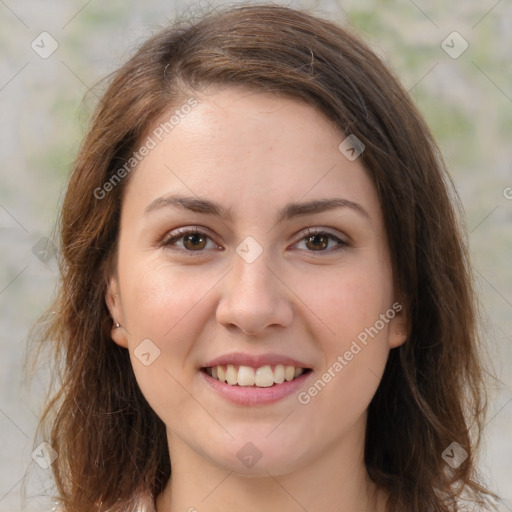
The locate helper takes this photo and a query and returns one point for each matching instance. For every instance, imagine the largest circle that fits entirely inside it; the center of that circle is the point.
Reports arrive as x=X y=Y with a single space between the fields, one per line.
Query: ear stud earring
x=117 y=325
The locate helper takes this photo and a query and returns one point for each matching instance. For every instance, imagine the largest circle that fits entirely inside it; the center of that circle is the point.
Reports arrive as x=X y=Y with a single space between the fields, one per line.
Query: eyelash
x=183 y=232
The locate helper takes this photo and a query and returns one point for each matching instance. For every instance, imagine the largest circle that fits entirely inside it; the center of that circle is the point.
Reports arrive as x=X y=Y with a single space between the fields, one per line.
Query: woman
x=266 y=299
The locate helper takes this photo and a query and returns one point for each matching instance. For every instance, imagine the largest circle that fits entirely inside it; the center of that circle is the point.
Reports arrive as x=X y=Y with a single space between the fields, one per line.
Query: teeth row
x=262 y=377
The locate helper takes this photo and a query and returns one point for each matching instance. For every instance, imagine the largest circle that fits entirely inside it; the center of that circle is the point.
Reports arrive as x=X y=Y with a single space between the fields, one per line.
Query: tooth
x=279 y=374
x=245 y=376
x=264 y=377
x=231 y=375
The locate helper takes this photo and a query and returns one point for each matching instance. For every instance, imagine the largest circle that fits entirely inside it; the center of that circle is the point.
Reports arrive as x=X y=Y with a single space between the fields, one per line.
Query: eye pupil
x=317 y=245
x=193 y=237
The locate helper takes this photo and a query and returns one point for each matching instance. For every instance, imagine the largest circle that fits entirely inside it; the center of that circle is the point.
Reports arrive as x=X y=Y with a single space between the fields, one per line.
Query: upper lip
x=256 y=361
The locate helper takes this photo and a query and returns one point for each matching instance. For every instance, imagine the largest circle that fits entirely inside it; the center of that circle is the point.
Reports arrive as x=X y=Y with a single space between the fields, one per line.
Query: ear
x=115 y=307
x=399 y=329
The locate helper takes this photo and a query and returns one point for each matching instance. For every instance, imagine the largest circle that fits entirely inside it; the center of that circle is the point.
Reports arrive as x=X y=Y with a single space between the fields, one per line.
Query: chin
x=258 y=455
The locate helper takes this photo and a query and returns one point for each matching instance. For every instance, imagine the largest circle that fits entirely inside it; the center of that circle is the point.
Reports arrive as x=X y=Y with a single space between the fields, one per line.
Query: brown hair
x=112 y=447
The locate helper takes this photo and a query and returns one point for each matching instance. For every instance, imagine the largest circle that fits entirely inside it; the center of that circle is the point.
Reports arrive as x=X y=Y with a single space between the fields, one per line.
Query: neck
x=335 y=481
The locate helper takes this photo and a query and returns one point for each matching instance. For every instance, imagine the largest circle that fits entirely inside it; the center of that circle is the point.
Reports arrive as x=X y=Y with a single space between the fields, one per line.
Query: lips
x=255 y=360
x=261 y=371
x=251 y=396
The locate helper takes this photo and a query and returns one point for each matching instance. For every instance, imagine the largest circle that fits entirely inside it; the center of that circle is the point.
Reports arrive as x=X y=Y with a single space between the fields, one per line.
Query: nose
x=254 y=297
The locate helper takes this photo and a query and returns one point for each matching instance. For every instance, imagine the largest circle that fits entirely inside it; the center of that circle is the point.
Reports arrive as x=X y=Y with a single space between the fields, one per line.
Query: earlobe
x=398 y=330
x=397 y=338
x=114 y=305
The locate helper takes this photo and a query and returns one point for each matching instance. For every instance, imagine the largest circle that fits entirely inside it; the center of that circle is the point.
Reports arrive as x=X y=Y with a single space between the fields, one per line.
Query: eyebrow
x=205 y=206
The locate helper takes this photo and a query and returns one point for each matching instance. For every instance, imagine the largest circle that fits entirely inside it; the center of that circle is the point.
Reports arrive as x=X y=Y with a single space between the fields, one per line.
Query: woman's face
x=255 y=287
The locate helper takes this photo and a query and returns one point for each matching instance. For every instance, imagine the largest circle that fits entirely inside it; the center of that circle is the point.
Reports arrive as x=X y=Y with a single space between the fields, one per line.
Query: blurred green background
x=44 y=108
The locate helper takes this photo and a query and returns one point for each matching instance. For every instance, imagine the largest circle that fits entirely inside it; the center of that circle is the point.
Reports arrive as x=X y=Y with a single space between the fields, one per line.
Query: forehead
x=252 y=149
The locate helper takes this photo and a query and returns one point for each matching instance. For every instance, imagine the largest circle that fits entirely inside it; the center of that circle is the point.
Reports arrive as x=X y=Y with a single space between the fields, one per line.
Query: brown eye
x=193 y=240
x=318 y=241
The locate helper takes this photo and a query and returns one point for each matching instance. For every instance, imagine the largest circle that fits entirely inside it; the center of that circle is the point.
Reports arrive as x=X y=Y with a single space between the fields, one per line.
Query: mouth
x=261 y=377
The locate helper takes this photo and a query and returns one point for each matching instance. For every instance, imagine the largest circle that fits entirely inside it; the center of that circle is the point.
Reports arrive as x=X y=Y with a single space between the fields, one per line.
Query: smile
x=261 y=377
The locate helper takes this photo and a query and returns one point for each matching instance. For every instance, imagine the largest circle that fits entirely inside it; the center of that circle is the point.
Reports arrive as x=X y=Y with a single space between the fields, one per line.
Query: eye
x=317 y=240
x=193 y=240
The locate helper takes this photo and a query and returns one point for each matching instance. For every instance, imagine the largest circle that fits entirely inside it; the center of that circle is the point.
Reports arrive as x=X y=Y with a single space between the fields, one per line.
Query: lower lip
x=247 y=395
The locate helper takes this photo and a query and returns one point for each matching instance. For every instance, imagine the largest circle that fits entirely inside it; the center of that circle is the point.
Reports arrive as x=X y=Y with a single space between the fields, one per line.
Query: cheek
x=355 y=353
x=159 y=299
x=159 y=303
x=338 y=399
x=350 y=303
x=346 y=300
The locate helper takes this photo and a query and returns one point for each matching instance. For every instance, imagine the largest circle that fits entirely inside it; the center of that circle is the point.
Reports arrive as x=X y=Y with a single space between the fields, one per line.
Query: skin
x=253 y=153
